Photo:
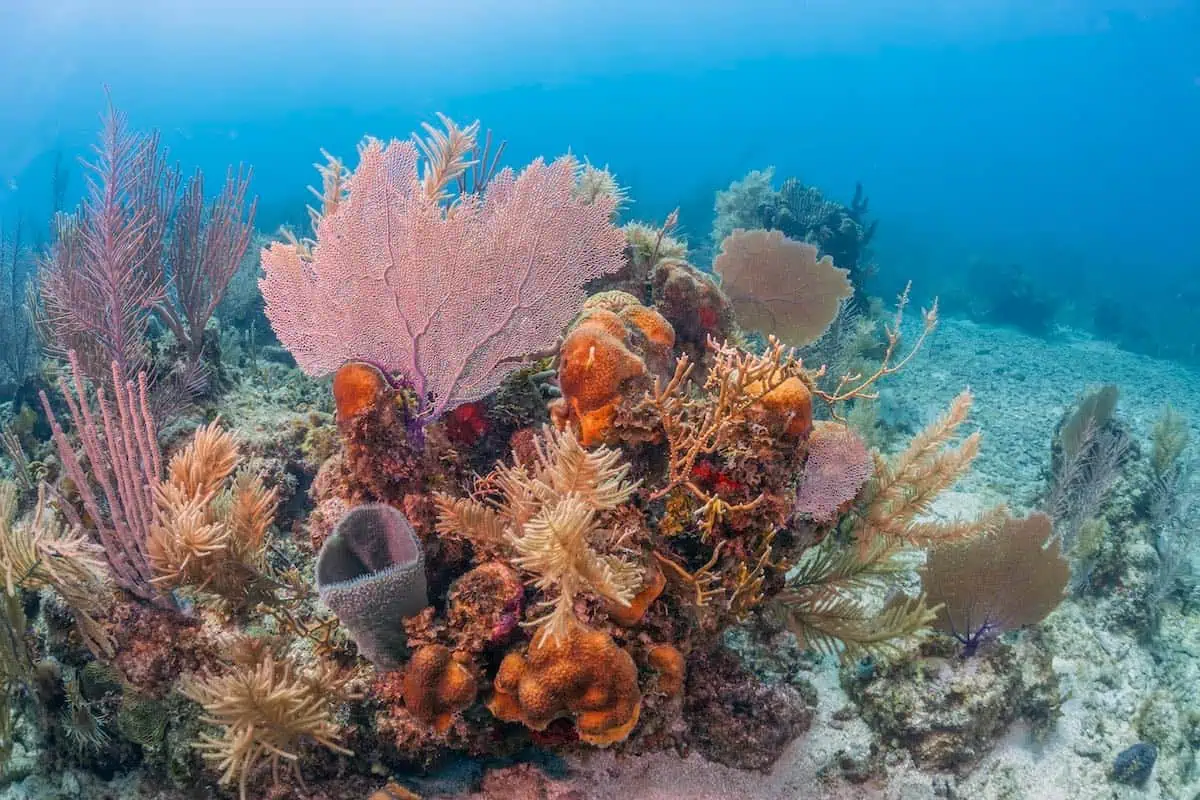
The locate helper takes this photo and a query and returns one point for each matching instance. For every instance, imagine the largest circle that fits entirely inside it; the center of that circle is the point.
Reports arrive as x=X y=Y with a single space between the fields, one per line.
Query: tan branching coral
x=696 y=426
x=862 y=386
x=207 y=537
x=266 y=710
x=551 y=514
x=903 y=489
x=823 y=603
x=42 y=553
x=779 y=287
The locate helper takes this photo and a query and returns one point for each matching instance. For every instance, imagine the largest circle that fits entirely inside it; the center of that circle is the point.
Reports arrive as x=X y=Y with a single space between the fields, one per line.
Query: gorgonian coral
x=778 y=286
x=551 y=517
x=265 y=710
x=451 y=292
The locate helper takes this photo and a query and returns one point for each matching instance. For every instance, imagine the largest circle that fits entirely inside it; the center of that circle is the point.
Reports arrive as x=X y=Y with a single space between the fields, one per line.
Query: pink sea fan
x=838 y=466
x=451 y=295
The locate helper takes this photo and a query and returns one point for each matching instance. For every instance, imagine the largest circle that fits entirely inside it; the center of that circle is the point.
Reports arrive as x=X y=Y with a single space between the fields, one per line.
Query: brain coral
x=586 y=676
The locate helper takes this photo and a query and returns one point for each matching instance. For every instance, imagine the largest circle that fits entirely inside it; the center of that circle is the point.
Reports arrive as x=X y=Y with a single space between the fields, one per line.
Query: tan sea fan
x=779 y=287
x=997 y=583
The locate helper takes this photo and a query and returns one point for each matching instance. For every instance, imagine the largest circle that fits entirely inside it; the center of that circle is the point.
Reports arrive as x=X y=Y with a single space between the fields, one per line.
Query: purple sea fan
x=451 y=295
x=837 y=468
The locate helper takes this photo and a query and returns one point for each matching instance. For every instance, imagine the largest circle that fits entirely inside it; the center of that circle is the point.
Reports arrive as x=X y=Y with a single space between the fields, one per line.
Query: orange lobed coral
x=608 y=346
x=585 y=676
x=437 y=686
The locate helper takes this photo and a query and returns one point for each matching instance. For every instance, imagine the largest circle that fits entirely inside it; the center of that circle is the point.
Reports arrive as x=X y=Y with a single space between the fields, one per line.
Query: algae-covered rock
x=946 y=710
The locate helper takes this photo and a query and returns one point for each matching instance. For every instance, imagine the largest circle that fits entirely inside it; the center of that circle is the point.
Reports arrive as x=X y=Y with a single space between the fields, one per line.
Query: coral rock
x=948 y=711
x=437 y=686
x=586 y=676
x=736 y=720
x=485 y=606
x=694 y=305
x=371 y=573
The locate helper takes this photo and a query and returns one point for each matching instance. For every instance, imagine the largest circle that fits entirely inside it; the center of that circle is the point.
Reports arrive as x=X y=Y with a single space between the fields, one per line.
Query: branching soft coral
x=206 y=537
x=41 y=553
x=551 y=514
x=904 y=489
x=825 y=608
x=266 y=710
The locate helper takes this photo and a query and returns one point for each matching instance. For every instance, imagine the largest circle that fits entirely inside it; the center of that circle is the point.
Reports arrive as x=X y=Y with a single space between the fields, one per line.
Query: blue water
x=1059 y=134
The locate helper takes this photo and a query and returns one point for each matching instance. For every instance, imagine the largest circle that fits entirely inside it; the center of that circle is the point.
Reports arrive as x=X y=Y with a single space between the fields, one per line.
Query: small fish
x=12 y=185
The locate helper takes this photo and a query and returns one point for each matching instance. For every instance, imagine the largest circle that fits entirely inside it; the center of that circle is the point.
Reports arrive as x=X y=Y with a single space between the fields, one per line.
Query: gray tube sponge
x=371 y=573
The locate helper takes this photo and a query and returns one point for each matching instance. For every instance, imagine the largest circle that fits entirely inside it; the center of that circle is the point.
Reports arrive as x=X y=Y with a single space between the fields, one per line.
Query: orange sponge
x=437 y=686
x=586 y=676
x=671 y=668
x=593 y=364
x=787 y=406
x=606 y=348
x=356 y=388
x=630 y=615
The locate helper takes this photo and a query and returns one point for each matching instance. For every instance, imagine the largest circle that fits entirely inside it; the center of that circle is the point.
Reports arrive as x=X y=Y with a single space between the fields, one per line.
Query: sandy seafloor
x=1022 y=386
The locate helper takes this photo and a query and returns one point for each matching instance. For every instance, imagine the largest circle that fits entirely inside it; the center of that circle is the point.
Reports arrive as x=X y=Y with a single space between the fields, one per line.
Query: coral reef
x=555 y=478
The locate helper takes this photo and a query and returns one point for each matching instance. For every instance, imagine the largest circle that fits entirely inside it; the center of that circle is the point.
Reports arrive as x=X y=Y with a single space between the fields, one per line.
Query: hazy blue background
x=1061 y=133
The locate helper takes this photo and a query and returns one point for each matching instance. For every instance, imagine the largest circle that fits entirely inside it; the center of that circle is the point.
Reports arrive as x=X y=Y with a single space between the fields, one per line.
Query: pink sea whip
x=137 y=249
x=452 y=292
x=123 y=465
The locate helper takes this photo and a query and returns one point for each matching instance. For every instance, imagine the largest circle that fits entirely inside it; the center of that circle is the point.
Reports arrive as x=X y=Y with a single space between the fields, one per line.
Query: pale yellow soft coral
x=206 y=536
x=552 y=516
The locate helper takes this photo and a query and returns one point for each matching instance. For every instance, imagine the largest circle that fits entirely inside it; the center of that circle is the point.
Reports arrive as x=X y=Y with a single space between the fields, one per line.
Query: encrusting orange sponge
x=437 y=686
x=671 y=667
x=586 y=676
x=630 y=615
x=356 y=388
x=788 y=405
x=607 y=347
